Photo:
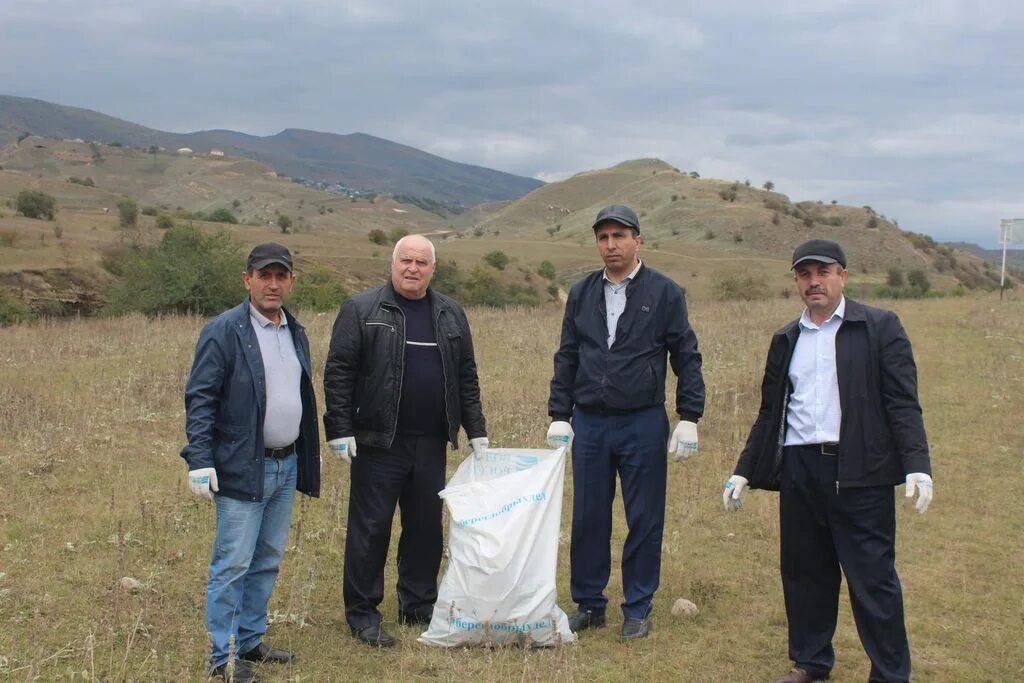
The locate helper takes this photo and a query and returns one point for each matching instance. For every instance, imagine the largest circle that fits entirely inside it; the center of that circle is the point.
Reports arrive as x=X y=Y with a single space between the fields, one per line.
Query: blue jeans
x=247 y=551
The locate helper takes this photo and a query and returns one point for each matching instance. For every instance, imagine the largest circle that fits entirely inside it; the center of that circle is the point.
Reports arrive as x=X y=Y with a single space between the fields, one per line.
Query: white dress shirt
x=615 y=300
x=814 y=413
x=283 y=374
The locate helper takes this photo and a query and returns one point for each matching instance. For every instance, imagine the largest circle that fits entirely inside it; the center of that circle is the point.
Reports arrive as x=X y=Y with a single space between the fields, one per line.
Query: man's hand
x=923 y=483
x=560 y=434
x=478 y=445
x=684 y=440
x=344 y=448
x=203 y=482
x=733 y=490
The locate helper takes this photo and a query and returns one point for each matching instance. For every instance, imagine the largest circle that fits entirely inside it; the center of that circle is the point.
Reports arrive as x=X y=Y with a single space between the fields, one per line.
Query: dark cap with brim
x=822 y=251
x=262 y=255
x=620 y=214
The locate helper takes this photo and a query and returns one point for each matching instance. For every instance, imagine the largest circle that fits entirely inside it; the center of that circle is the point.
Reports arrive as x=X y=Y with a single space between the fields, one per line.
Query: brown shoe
x=797 y=675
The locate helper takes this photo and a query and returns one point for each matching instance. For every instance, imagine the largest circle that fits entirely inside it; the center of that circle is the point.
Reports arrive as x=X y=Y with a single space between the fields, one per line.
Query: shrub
x=546 y=270
x=221 y=215
x=740 y=287
x=12 y=309
x=283 y=223
x=36 y=204
x=397 y=234
x=895 y=278
x=128 y=213
x=775 y=219
x=318 y=290
x=675 y=197
x=188 y=271
x=87 y=182
x=768 y=185
x=377 y=236
x=873 y=221
x=149 y=211
x=497 y=259
x=709 y=234
x=694 y=175
x=918 y=280
x=164 y=221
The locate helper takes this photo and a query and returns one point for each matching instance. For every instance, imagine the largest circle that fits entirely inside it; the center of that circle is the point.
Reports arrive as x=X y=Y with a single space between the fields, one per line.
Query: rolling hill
x=707 y=234
x=357 y=160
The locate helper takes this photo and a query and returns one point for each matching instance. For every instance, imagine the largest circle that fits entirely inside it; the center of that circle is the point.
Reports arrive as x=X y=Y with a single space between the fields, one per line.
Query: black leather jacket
x=365 y=363
x=881 y=435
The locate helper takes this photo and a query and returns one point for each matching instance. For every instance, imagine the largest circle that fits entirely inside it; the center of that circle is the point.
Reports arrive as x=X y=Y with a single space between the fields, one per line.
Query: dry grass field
x=91 y=422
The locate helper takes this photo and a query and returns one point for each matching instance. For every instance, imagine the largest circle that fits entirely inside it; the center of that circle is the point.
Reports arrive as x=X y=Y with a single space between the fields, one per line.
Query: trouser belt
x=282 y=452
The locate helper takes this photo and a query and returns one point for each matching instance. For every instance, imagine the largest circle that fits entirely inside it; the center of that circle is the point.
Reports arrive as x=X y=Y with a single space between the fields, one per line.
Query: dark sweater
x=421 y=407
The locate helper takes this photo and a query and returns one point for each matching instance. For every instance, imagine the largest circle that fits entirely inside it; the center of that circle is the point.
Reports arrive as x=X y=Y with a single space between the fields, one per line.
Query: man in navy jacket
x=839 y=426
x=251 y=422
x=620 y=325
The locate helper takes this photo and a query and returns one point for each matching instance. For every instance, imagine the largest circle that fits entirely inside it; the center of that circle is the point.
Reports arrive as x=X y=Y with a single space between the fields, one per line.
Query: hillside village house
x=216 y=152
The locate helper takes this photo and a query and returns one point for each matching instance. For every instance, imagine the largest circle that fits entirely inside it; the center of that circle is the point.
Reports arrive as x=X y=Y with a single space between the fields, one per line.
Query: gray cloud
x=914 y=108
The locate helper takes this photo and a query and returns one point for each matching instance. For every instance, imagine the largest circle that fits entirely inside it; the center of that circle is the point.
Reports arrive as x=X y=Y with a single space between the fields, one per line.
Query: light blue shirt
x=615 y=301
x=284 y=376
x=814 y=413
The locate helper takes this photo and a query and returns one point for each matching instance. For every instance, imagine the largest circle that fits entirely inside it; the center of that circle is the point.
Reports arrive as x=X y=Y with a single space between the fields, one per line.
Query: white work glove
x=203 y=482
x=560 y=434
x=344 y=448
x=923 y=483
x=733 y=490
x=684 y=440
x=478 y=445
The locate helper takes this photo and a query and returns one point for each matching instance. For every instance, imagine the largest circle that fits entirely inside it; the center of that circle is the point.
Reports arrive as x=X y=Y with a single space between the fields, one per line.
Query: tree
x=546 y=270
x=318 y=290
x=377 y=236
x=498 y=259
x=769 y=185
x=222 y=215
x=187 y=272
x=284 y=222
x=397 y=234
x=36 y=204
x=128 y=212
x=918 y=280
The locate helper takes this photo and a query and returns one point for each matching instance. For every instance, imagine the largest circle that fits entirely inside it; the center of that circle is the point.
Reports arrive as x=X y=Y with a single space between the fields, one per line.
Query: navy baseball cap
x=822 y=251
x=620 y=214
x=262 y=255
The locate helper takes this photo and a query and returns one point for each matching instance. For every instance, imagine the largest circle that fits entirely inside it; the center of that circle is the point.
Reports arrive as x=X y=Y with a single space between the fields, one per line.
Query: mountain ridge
x=355 y=160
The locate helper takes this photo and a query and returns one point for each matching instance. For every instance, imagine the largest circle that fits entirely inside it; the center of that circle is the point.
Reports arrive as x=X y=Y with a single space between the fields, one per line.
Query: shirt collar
x=264 y=321
x=840 y=313
x=627 y=278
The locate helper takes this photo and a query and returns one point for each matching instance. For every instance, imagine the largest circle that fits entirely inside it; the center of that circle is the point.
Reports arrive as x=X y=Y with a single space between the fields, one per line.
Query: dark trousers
x=634 y=446
x=821 y=531
x=409 y=474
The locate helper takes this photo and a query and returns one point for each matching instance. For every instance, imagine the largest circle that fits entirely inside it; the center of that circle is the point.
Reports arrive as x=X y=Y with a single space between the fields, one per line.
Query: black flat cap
x=822 y=251
x=262 y=255
x=619 y=213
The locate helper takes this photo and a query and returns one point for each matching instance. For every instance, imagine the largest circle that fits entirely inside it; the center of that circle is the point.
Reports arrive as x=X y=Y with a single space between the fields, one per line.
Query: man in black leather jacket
x=399 y=382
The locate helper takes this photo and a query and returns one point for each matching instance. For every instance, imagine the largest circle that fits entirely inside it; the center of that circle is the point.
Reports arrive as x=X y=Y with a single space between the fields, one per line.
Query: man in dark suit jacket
x=839 y=426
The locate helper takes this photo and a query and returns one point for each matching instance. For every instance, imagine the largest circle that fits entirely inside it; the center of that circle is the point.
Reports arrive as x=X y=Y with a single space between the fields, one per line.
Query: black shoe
x=635 y=628
x=584 y=619
x=244 y=673
x=264 y=653
x=417 y=618
x=373 y=635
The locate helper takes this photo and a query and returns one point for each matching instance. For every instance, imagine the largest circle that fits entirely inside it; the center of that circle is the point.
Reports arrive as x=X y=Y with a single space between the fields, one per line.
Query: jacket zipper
x=401 y=375
x=444 y=375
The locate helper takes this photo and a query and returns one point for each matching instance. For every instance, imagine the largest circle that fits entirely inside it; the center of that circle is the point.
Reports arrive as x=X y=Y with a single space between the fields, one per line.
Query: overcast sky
x=916 y=108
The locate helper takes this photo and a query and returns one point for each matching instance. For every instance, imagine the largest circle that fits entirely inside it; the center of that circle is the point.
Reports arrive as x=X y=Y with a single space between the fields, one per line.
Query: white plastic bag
x=499 y=587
